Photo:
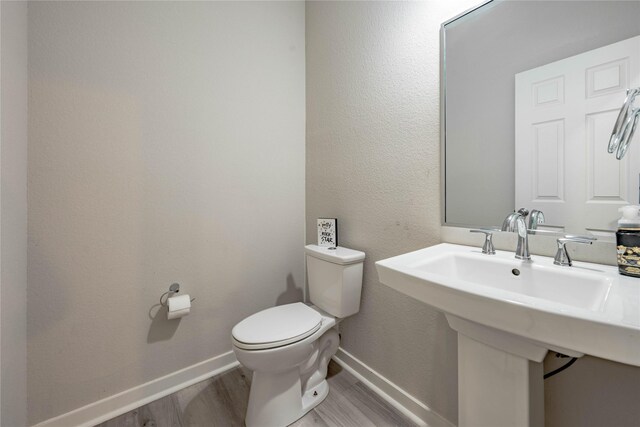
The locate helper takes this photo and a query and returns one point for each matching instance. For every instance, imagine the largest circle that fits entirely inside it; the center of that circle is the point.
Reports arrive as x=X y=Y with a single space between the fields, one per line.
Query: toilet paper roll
x=179 y=306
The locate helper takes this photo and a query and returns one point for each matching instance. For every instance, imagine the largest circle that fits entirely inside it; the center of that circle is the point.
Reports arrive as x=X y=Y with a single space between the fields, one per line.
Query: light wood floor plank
x=160 y=413
x=222 y=401
x=337 y=411
x=219 y=401
x=311 y=419
x=377 y=410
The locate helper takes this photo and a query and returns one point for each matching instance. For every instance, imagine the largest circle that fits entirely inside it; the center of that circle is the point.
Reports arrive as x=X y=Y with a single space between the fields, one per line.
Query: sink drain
x=515 y=272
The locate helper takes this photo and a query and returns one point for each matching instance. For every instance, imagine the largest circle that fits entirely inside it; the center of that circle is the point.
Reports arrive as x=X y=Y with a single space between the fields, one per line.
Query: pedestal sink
x=508 y=313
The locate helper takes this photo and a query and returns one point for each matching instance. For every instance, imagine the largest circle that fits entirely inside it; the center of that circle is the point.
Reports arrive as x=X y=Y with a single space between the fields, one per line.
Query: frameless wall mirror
x=530 y=94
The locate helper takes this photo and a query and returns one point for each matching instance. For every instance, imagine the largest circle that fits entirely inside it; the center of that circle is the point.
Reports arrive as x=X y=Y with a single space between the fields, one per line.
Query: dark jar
x=628 y=246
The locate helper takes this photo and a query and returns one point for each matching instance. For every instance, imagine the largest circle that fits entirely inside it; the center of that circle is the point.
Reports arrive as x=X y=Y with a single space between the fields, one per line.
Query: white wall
x=166 y=145
x=13 y=213
x=373 y=152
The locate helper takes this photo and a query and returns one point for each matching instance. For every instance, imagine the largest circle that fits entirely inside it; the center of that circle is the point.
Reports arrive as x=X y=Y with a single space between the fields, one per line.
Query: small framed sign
x=328 y=232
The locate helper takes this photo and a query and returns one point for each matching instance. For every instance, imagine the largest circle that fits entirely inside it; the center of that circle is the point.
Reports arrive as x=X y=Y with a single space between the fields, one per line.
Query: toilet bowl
x=288 y=379
x=289 y=347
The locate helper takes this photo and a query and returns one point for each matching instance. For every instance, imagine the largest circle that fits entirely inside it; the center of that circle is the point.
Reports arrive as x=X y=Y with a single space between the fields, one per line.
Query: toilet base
x=314 y=397
x=280 y=404
x=278 y=399
x=289 y=381
x=274 y=399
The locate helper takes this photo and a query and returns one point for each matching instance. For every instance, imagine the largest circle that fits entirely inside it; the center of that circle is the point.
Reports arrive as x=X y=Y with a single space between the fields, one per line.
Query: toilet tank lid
x=339 y=255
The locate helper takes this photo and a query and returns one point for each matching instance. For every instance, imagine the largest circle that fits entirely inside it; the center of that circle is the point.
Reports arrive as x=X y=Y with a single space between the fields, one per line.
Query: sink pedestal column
x=500 y=378
x=496 y=388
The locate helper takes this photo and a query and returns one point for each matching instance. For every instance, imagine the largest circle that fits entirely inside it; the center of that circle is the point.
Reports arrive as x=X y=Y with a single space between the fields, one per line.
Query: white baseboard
x=118 y=404
x=411 y=407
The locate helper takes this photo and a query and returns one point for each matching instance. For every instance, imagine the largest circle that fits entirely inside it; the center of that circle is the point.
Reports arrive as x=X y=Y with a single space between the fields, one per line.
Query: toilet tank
x=335 y=279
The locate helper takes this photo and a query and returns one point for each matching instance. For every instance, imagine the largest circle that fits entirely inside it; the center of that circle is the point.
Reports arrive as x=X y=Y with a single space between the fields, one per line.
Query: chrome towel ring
x=625 y=125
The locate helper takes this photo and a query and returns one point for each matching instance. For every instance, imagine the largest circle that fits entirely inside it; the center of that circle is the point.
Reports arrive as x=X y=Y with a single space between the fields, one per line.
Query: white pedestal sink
x=508 y=313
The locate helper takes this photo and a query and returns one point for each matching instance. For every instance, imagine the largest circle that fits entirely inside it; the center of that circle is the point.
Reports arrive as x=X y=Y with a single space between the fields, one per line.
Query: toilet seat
x=276 y=327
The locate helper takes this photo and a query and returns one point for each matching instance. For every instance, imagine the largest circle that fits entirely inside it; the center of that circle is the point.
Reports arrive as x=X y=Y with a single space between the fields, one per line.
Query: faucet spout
x=535 y=217
x=522 y=250
x=509 y=223
x=516 y=222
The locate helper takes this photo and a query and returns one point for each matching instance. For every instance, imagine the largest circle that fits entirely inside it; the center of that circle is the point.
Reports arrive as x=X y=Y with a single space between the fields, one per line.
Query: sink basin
x=584 y=309
x=565 y=286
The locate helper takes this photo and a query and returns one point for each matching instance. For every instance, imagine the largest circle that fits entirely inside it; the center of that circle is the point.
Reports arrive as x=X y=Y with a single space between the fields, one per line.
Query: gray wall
x=160 y=132
x=484 y=52
x=166 y=145
x=372 y=162
x=13 y=214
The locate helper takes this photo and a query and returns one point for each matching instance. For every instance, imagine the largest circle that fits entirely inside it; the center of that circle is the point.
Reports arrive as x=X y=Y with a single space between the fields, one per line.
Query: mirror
x=530 y=94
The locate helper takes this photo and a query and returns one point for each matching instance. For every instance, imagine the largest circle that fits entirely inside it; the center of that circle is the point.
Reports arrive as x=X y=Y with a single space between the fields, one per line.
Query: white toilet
x=288 y=347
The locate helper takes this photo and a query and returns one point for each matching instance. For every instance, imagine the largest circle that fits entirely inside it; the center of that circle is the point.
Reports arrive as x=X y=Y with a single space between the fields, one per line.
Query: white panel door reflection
x=565 y=112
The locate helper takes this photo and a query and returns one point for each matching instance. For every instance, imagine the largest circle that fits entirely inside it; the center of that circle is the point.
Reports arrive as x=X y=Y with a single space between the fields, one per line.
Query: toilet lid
x=276 y=326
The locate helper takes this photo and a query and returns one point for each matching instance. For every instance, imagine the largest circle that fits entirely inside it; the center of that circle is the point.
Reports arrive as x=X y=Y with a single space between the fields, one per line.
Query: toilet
x=289 y=347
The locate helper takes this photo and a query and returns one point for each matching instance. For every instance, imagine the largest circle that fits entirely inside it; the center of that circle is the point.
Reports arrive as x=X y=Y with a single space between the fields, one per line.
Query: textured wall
x=13 y=214
x=373 y=162
x=166 y=145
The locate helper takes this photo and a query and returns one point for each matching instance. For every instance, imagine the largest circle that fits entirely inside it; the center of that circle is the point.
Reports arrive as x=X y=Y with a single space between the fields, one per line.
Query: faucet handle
x=487 y=248
x=562 y=256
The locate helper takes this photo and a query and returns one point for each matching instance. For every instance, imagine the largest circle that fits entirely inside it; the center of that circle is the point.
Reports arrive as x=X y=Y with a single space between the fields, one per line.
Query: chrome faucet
x=535 y=217
x=516 y=222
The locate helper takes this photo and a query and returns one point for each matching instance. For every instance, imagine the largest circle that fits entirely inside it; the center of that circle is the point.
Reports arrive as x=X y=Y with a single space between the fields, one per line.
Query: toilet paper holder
x=173 y=289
